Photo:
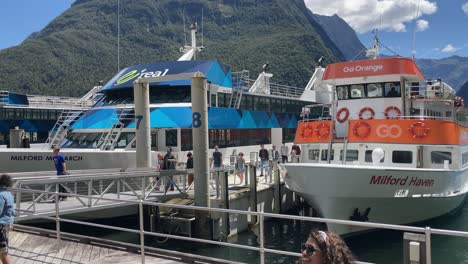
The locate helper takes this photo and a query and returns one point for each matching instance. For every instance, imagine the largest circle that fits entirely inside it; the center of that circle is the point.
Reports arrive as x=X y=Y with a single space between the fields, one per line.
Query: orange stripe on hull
x=408 y=131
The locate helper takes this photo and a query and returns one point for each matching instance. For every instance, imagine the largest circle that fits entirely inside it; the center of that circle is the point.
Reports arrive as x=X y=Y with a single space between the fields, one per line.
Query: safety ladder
x=60 y=130
x=120 y=119
x=240 y=83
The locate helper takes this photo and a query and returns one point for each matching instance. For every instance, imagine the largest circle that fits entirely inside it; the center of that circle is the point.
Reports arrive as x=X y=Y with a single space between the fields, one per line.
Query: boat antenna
x=118 y=35
x=202 y=38
x=185 y=31
x=413 y=49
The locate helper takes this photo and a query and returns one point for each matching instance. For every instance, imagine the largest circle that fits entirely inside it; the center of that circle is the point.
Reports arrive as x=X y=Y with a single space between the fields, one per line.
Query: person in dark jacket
x=264 y=159
x=189 y=166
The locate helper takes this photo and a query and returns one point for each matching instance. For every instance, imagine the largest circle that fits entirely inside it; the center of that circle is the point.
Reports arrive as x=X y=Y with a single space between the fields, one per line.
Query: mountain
x=342 y=35
x=79 y=48
x=463 y=92
x=452 y=70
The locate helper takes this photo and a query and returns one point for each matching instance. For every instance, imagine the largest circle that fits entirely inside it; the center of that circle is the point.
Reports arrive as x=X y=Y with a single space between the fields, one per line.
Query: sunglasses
x=308 y=248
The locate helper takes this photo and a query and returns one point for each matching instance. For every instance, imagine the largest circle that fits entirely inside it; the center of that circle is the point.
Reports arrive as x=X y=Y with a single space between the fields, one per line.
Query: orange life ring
x=419 y=130
x=392 y=108
x=362 y=129
x=306 y=131
x=367 y=109
x=345 y=117
x=322 y=130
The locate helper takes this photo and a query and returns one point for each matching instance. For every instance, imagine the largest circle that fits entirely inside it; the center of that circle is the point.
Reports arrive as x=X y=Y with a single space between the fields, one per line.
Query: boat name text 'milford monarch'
x=392 y=150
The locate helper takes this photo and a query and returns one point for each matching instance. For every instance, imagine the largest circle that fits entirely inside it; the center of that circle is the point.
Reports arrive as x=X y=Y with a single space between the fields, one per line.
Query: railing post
x=143 y=186
x=261 y=237
x=428 y=245
x=217 y=183
x=225 y=197
x=118 y=188
x=142 y=234
x=277 y=191
x=90 y=192
x=18 y=199
x=253 y=192
x=57 y=216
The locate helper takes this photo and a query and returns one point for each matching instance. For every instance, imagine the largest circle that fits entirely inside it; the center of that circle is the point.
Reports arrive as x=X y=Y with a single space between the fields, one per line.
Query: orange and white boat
x=393 y=148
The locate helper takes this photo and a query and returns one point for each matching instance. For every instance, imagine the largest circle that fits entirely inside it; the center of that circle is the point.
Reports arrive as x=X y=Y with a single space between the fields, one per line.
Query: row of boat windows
x=369 y=90
x=261 y=103
x=398 y=156
x=34 y=137
x=94 y=140
x=225 y=138
x=28 y=113
x=158 y=95
x=182 y=95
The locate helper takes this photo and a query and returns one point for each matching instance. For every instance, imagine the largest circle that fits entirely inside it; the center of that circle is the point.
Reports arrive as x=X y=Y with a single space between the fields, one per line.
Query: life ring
x=322 y=130
x=362 y=130
x=341 y=119
x=366 y=109
x=306 y=131
x=392 y=108
x=419 y=130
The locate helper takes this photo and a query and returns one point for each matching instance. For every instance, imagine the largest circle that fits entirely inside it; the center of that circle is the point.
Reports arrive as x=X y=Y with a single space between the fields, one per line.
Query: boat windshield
x=94 y=140
x=158 y=95
x=368 y=90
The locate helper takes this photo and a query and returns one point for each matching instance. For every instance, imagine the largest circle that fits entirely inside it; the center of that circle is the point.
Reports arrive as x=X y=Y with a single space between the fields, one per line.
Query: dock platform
x=28 y=247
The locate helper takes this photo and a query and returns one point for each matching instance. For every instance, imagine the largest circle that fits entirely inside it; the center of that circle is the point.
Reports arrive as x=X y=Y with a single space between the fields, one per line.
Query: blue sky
x=443 y=24
x=20 y=18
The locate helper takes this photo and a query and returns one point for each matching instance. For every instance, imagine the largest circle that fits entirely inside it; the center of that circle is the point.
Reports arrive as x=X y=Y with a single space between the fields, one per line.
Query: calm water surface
x=376 y=247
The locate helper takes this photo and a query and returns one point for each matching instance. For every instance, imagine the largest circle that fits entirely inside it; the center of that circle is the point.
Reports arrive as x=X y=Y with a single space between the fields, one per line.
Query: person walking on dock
x=264 y=159
x=7 y=218
x=61 y=167
x=169 y=164
x=217 y=159
x=240 y=167
x=284 y=152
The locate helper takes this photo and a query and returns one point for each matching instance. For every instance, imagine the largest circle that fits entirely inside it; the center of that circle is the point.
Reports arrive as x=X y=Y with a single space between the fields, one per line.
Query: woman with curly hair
x=325 y=248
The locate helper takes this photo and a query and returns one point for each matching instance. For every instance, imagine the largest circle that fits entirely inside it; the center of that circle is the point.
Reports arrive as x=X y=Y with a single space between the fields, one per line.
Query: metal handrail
x=427 y=231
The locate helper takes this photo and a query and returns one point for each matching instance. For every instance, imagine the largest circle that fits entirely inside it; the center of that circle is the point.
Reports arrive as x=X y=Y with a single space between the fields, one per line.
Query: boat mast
x=374 y=51
x=192 y=50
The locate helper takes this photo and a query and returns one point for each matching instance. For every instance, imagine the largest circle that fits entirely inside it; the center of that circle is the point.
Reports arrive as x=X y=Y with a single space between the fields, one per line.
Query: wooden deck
x=31 y=248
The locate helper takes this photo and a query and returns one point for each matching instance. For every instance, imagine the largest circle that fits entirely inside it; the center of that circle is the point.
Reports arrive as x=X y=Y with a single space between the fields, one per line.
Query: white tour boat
x=394 y=148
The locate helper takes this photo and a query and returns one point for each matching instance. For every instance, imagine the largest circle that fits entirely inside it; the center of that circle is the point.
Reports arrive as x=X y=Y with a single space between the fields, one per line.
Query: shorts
x=4 y=231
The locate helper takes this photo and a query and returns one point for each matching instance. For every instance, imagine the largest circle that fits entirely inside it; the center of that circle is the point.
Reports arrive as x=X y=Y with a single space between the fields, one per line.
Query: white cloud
x=365 y=15
x=465 y=8
x=422 y=25
x=449 y=48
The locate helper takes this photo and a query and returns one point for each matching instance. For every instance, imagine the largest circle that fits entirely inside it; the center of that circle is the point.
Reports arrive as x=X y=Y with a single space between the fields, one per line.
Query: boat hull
x=390 y=195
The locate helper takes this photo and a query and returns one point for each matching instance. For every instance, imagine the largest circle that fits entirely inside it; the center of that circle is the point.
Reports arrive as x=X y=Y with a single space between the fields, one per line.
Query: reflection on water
x=384 y=247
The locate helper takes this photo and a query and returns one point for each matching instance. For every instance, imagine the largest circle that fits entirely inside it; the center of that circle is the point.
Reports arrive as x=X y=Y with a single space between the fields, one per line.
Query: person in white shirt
x=284 y=152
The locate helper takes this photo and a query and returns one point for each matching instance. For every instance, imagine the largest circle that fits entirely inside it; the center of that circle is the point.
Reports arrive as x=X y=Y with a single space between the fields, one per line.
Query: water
x=384 y=247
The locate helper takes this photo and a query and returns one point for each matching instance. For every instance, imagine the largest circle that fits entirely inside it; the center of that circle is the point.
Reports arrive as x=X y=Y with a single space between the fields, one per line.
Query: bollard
x=253 y=193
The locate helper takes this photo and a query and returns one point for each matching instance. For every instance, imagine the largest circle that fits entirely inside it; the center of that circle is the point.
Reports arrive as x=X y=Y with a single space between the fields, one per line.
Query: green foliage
x=79 y=48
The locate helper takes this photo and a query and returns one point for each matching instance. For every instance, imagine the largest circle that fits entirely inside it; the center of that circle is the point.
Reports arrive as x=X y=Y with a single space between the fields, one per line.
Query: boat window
x=342 y=92
x=325 y=154
x=465 y=158
x=374 y=90
x=82 y=140
x=392 y=89
x=314 y=154
x=171 y=138
x=438 y=157
x=357 y=91
x=368 y=156
x=124 y=139
x=402 y=156
x=351 y=155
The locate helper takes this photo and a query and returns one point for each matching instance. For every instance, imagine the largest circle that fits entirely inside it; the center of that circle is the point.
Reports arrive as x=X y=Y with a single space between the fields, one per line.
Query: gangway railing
x=262 y=249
